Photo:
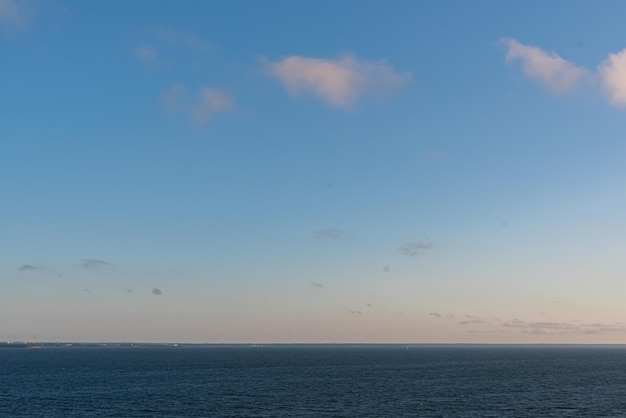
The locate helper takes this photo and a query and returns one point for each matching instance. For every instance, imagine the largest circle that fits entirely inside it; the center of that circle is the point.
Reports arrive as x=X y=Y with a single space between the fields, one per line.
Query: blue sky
x=357 y=171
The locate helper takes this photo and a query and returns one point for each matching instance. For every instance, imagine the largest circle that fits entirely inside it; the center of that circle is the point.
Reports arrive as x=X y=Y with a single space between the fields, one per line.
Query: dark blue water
x=299 y=381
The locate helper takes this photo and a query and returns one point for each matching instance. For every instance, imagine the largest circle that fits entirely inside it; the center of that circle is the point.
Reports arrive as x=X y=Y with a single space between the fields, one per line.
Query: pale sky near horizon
x=333 y=171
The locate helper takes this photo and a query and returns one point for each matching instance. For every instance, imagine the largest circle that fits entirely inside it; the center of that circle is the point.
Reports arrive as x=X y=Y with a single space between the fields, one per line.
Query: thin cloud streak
x=518 y=326
x=445 y=316
x=549 y=327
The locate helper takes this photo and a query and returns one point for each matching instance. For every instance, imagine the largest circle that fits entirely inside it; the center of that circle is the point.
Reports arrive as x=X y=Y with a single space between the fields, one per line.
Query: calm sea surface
x=313 y=381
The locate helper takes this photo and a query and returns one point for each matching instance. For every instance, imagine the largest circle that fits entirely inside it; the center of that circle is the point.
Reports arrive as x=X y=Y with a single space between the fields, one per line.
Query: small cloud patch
x=92 y=263
x=156 y=291
x=413 y=248
x=29 y=267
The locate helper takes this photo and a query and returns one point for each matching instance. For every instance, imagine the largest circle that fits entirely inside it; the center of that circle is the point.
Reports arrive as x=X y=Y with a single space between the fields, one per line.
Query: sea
x=313 y=381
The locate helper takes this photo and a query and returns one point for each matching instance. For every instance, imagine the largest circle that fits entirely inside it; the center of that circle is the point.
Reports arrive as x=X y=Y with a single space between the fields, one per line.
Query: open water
x=314 y=381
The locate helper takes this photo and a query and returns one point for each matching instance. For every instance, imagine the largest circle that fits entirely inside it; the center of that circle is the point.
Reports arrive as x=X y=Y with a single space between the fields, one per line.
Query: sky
x=329 y=172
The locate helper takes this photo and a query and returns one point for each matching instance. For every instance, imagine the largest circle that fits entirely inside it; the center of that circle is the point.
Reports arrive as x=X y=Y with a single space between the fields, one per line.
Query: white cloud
x=555 y=73
x=15 y=15
x=340 y=83
x=208 y=102
x=612 y=73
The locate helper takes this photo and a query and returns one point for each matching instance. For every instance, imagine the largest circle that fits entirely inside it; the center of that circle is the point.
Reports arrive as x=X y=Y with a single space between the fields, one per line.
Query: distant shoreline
x=19 y=345
x=301 y=345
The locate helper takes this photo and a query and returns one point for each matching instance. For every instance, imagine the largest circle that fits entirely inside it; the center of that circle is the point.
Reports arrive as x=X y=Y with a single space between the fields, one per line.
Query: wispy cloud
x=146 y=53
x=472 y=320
x=413 y=248
x=612 y=73
x=92 y=263
x=549 y=327
x=355 y=312
x=170 y=48
x=166 y=45
x=16 y=15
x=156 y=291
x=386 y=269
x=211 y=101
x=518 y=326
x=329 y=233
x=315 y=284
x=175 y=38
x=446 y=316
x=172 y=99
x=341 y=82
x=556 y=74
x=207 y=103
x=86 y=290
